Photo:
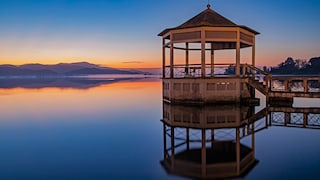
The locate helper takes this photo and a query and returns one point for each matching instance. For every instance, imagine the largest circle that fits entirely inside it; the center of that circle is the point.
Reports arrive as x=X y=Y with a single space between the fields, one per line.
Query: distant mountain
x=88 y=71
x=61 y=69
x=9 y=70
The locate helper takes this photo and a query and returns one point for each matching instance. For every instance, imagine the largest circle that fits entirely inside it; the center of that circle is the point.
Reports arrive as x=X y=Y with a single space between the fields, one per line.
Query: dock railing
x=259 y=79
x=295 y=84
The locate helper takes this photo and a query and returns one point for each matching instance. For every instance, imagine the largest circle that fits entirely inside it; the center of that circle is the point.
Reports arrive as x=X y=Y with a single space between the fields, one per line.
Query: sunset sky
x=123 y=33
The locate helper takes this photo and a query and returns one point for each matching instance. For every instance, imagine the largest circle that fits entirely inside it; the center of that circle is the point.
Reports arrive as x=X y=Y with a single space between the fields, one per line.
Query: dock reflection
x=204 y=142
x=308 y=118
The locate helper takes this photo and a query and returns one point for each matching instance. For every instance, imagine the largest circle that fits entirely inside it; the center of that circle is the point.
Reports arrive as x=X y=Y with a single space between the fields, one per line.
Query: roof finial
x=208 y=5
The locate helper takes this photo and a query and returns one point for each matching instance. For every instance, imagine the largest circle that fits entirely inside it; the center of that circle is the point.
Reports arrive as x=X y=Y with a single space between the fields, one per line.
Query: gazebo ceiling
x=208 y=18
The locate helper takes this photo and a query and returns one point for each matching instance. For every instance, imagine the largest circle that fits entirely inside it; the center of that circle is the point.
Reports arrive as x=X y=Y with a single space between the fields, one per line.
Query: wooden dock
x=279 y=89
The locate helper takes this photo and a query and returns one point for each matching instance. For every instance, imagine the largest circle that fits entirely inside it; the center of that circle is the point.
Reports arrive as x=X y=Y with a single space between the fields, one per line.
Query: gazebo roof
x=208 y=18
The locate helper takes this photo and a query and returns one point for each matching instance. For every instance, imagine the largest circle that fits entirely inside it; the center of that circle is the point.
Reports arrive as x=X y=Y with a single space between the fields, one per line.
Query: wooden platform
x=231 y=88
x=282 y=89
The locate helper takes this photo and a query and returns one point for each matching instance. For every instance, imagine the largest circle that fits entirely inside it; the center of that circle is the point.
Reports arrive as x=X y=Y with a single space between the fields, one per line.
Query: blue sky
x=112 y=32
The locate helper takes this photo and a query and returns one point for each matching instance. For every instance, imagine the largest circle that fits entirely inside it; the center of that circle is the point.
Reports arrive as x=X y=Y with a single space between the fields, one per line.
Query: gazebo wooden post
x=212 y=60
x=254 y=52
x=238 y=54
x=171 y=60
x=163 y=58
x=187 y=59
x=203 y=54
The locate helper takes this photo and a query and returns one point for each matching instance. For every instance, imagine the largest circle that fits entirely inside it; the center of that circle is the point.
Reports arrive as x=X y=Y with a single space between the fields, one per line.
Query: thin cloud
x=132 y=62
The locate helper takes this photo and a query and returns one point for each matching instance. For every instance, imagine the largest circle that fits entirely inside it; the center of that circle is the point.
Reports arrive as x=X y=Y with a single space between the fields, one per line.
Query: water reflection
x=205 y=142
x=56 y=104
x=113 y=131
x=308 y=118
x=77 y=82
x=219 y=141
x=69 y=133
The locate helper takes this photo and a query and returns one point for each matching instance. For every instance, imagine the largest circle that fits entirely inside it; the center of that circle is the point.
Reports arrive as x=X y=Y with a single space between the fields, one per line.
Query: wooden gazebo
x=198 y=82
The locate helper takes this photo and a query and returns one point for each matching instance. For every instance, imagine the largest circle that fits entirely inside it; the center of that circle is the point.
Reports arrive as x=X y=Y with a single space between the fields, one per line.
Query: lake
x=111 y=129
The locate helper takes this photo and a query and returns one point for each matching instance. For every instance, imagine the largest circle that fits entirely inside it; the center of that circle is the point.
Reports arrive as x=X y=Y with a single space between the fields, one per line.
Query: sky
x=123 y=33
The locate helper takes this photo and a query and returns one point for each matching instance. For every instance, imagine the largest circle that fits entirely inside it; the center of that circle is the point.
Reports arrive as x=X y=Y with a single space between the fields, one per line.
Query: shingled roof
x=208 y=18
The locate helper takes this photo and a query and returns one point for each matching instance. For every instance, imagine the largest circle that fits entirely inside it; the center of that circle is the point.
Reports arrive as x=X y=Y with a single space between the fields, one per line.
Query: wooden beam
x=171 y=60
x=254 y=52
x=238 y=54
x=212 y=60
x=305 y=85
x=187 y=59
x=203 y=54
x=163 y=58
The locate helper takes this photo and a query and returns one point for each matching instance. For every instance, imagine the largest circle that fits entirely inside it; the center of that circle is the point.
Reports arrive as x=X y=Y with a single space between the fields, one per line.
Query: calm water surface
x=113 y=131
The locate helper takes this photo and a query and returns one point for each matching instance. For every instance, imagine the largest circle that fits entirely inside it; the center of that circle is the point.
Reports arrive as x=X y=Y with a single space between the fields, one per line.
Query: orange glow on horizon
x=112 y=64
x=263 y=58
x=260 y=61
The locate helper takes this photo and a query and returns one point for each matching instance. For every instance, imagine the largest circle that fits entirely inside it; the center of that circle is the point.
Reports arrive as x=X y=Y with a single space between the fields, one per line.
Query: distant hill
x=61 y=69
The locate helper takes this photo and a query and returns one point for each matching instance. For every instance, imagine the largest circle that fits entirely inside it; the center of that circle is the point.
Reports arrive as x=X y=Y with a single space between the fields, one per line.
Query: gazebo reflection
x=206 y=141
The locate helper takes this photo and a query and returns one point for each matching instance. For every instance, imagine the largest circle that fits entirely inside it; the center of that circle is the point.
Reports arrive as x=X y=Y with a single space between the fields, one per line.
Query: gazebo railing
x=195 y=70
